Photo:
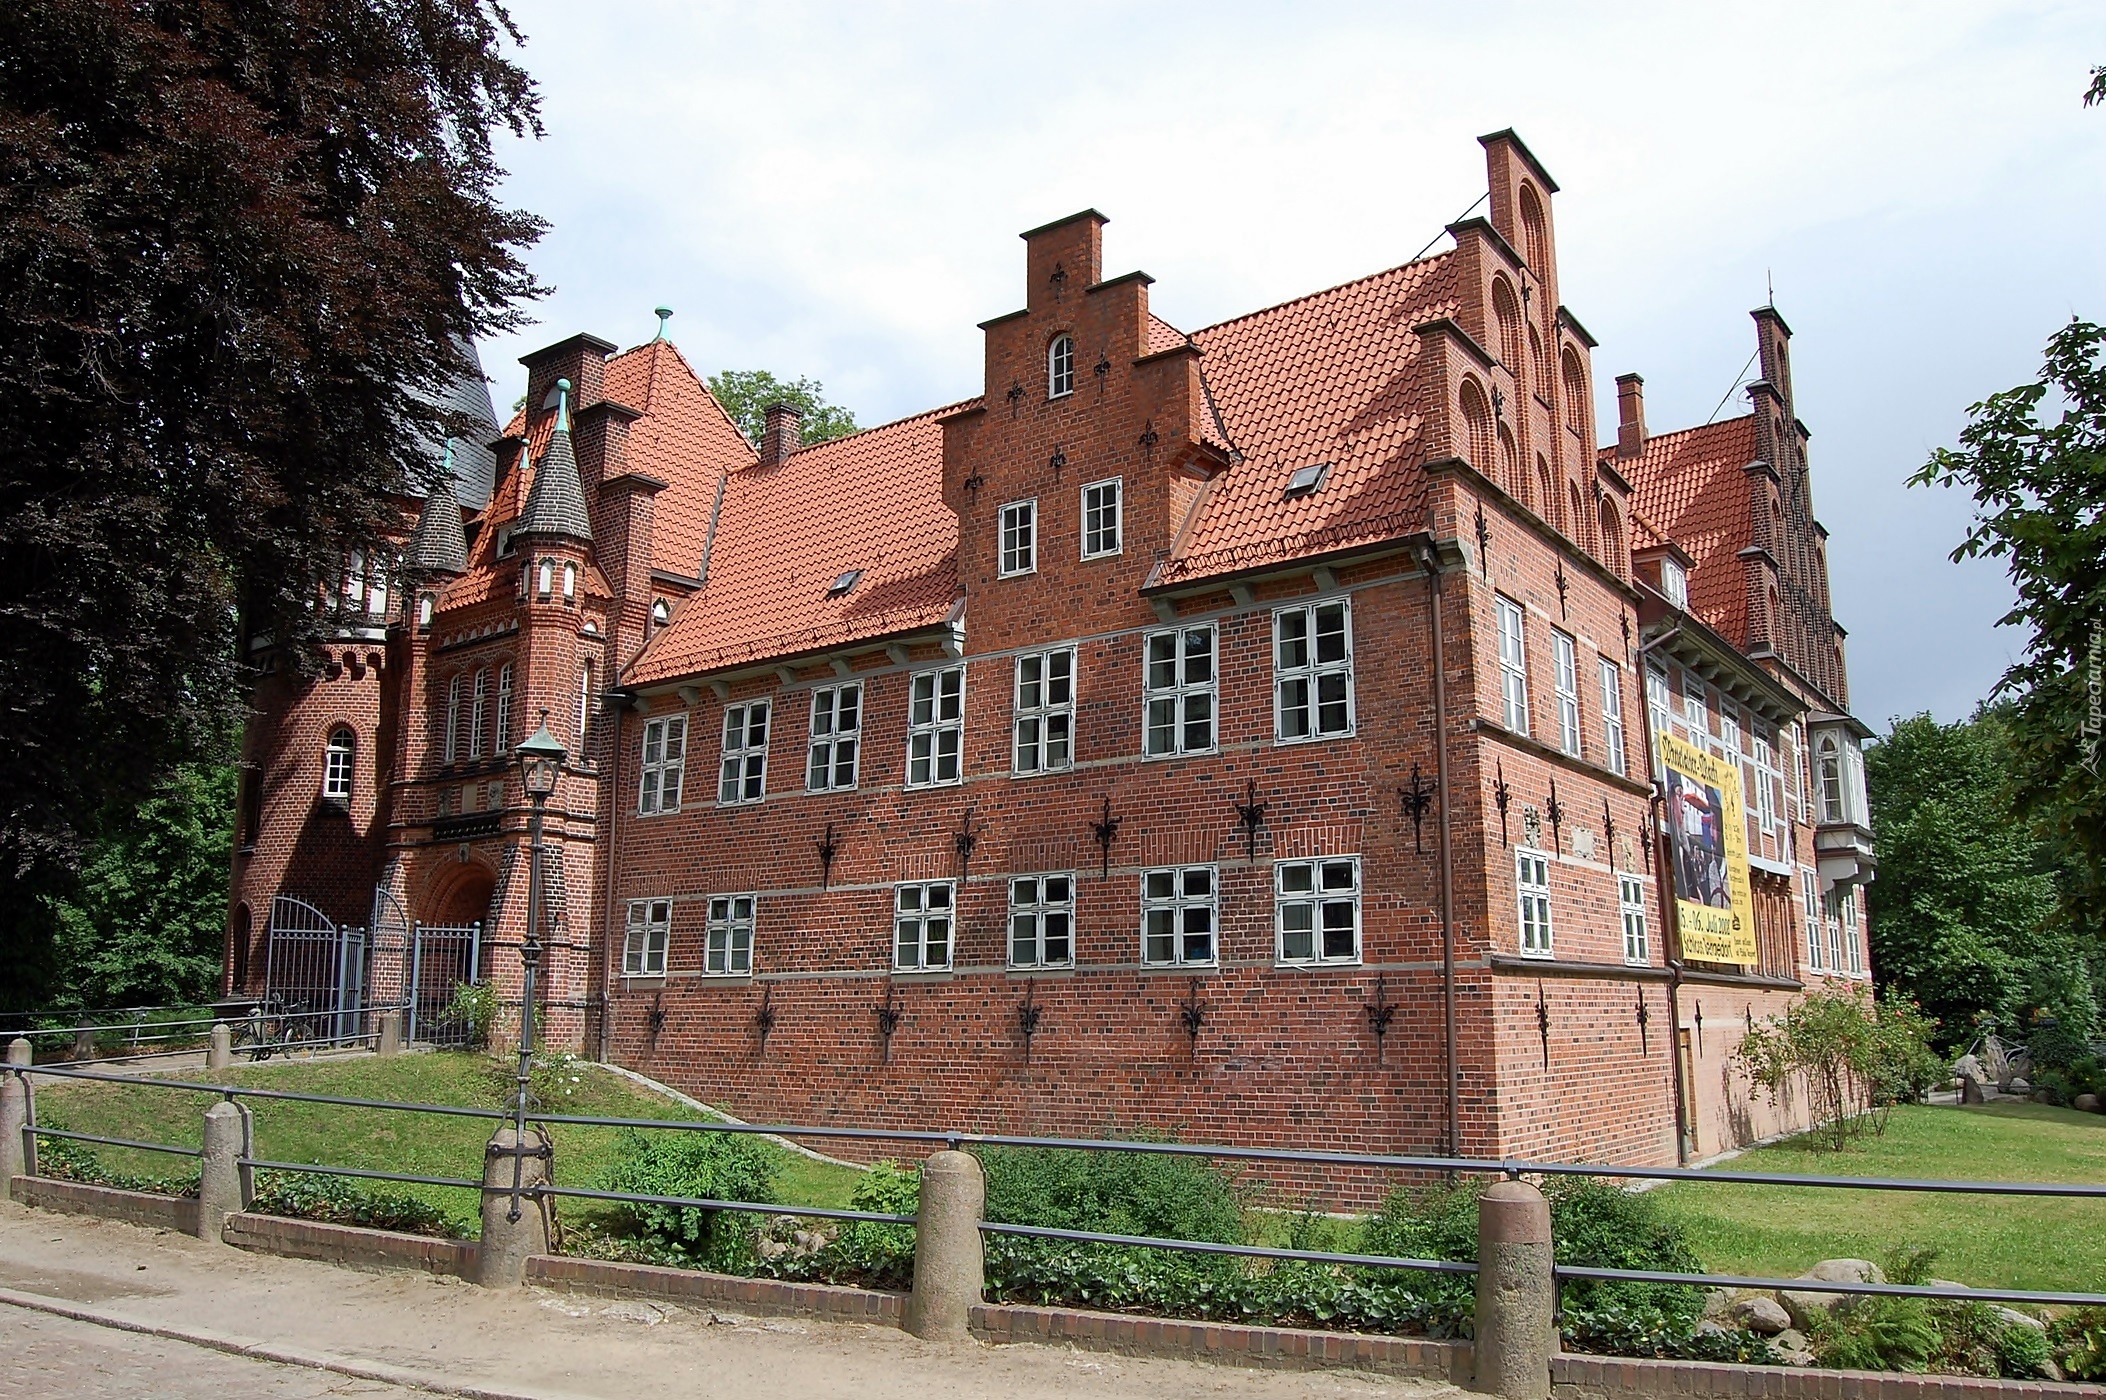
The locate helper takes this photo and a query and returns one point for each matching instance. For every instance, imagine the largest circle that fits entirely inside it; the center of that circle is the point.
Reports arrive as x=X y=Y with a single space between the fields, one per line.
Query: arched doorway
x=446 y=948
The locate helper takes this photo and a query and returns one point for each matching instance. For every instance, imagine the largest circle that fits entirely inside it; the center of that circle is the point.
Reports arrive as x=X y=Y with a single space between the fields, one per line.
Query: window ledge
x=924 y=974
x=1316 y=965
x=1186 y=969
x=332 y=807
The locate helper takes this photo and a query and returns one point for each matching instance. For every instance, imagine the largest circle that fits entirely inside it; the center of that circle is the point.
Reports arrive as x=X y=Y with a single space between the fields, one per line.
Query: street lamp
x=540 y=764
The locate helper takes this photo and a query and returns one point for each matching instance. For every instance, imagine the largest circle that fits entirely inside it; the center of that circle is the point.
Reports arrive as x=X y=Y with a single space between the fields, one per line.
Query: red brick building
x=1240 y=730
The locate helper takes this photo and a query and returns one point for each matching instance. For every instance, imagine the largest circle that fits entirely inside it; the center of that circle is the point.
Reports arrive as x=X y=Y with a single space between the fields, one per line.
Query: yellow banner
x=1709 y=837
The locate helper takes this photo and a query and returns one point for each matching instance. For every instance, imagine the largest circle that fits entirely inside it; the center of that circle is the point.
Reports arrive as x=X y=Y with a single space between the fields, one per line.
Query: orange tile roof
x=684 y=439
x=1329 y=377
x=871 y=501
x=1690 y=487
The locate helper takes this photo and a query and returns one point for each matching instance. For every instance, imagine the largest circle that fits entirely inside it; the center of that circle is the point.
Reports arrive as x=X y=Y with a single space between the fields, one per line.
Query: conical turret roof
x=438 y=545
x=555 y=503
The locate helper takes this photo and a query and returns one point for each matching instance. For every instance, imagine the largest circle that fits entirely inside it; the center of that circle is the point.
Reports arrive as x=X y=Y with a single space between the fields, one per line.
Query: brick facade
x=1094 y=713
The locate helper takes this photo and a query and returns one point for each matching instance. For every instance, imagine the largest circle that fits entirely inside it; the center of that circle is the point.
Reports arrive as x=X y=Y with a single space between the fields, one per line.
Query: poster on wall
x=1708 y=833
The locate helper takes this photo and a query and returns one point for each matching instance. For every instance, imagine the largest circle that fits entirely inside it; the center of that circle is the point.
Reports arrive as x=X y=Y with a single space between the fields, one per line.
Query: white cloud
x=836 y=190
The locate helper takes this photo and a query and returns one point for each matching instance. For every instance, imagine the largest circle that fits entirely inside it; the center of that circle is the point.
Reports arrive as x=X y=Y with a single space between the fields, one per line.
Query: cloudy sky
x=836 y=190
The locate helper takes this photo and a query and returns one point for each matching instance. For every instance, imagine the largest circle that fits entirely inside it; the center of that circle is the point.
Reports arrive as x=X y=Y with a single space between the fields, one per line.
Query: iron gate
x=442 y=956
x=317 y=970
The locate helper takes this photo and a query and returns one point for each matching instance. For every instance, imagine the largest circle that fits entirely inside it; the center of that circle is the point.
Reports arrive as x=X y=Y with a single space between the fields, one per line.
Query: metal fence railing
x=260 y=1029
x=1422 y=1166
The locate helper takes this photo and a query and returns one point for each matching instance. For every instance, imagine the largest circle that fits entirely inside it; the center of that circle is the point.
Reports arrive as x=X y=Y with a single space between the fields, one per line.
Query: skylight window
x=1306 y=480
x=844 y=583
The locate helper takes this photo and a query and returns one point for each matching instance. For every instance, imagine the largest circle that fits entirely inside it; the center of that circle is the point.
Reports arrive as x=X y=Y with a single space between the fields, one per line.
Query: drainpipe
x=1430 y=556
x=1664 y=884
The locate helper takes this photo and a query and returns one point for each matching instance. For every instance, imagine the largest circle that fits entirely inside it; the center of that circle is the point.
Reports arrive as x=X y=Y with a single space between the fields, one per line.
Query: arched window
x=425 y=603
x=1578 y=515
x=1611 y=537
x=1060 y=367
x=1509 y=464
x=336 y=765
x=1538 y=376
x=1477 y=426
x=501 y=732
x=570 y=581
x=1830 y=764
x=1575 y=395
x=547 y=580
x=661 y=613
x=1535 y=233
x=584 y=703
x=1506 y=316
x=478 y=711
x=1546 y=502
x=238 y=961
x=451 y=743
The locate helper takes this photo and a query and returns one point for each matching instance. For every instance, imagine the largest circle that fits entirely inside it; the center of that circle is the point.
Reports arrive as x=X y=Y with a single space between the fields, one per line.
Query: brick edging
x=1285 y=1348
x=349 y=1244
x=772 y=1297
x=147 y=1208
x=1575 y=1377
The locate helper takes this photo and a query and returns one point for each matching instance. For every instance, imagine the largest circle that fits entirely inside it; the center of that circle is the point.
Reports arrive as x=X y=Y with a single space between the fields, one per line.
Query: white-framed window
x=664 y=761
x=837 y=738
x=1828 y=764
x=743 y=775
x=643 y=942
x=501 y=731
x=1766 y=785
x=1810 y=896
x=453 y=718
x=1042 y=921
x=661 y=613
x=921 y=926
x=547 y=579
x=1565 y=684
x=1316 y=910
x=1103 y=518
x=425 y=603
x=1045 y=711
x=1612 y=714
x=1696 y=711
x=1659 y=700
x=1060 y=367
x=1179 y=686
x=1839 y=901
x=1513 y=665
x=1532 y=881
x=935 y=726
x=570 y=580
x=1179 y=908
x=1674 y=582
x=727 y=949
x=476 y=712
x=1019 y=538
x=1630 y=902
x=1312 y=671
x=1729 y=734
x=337 y=762
x=1853 y=942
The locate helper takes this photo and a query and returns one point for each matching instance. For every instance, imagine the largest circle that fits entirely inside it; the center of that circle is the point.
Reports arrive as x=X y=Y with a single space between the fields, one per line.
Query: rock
x=2089 y=1103
x=1804 y=1305
x=1717 y=1301
x=2014 y=1318
x=2040 y=1096
x=2054 y=1372
x=1968 y=1067
x=1791 y=1347
x=1758 y=1313
x=1971 y=1090
x=2020 y=1087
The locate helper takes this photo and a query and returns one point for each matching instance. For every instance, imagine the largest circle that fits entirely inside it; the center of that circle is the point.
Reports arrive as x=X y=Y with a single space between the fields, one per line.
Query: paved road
x=56 y=1358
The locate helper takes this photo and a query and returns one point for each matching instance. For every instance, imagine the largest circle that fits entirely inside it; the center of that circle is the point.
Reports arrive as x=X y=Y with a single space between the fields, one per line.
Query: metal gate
x=442 y=956
x=317 y=971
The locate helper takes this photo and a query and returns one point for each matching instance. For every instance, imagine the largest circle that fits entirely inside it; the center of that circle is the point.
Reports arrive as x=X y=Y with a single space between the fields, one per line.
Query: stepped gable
x=1331 y=377
x=871 y=501
x=1691 y=487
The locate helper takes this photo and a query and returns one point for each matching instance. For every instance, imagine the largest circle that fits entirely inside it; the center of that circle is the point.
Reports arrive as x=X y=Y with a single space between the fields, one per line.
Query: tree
x=746 y=393
x=146 y=923
x=1965 y=918
x=240 y=249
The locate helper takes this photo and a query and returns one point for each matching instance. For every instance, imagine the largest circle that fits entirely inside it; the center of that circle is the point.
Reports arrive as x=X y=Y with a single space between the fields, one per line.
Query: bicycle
x=272 y=1026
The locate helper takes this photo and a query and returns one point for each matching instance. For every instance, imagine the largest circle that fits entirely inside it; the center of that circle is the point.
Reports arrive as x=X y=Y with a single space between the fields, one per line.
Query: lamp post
x=540 y=764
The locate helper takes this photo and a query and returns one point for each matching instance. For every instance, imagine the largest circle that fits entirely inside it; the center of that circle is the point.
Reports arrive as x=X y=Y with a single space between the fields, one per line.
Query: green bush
x=865 y=1253
x=1876 y=1333
x=72 y=1160
x=1950 y=1336
x=474 y=1008
x=699 y=1165
x=341 y=1201
x=2078 y=1340
x=1114 y=1193
x=2023 y=1352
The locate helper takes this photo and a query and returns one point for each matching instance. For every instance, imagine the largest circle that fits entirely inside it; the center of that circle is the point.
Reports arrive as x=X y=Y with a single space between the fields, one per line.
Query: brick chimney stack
x=784 y=434
x=1630 y=415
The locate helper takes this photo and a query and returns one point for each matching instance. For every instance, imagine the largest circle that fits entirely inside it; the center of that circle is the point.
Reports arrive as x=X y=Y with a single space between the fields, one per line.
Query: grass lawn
x=1988 y=1241
x=379 y=1140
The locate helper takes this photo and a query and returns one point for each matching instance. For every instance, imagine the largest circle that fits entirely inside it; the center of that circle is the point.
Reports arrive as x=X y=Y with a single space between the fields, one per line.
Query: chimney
x=1630 y=415
x=783 y=436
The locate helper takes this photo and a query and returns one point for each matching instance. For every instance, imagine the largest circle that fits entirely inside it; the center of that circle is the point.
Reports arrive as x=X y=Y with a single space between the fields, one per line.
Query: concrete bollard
x=500 y=1260
x=14 y=1115
x=220 y=1054
x=390 y=1042
x=219 y=1192
x=1516 y=1293
x=950 y=1268
x=18 y=1051
x=84 y=1045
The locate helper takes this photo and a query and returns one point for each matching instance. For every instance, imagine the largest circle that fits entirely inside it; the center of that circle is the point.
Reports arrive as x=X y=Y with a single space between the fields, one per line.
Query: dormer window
x=661 y=613
x=1060 y=367
x=843 y=584
x=1307 y=481
x=1674 y=583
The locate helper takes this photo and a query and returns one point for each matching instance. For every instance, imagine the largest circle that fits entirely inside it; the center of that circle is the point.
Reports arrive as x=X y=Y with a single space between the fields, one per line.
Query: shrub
x=1855 y=1057
x=701 y=1166
x=1114 y=1193
x=2079 y=1343
x=2023 y=1352
x=474 y=1006
x=341 y=1201
x=1876 y=1333
x=866 y=1253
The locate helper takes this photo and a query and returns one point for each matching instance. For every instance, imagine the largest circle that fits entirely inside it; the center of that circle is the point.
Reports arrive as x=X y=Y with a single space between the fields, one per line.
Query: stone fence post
x=220 y=1178
x=1516 y=1293
x=390 y=1039
x=500 y=1260
x=220 y=1055
x=950 y=1267
x=14 y=1116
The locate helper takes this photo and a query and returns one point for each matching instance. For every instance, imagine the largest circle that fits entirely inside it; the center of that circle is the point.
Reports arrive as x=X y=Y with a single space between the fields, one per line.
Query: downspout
x=1664 y=882
x=1430 y=556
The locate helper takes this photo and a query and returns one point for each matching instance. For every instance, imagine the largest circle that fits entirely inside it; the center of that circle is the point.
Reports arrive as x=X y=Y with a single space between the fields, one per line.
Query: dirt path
x=411 y=1329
